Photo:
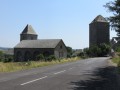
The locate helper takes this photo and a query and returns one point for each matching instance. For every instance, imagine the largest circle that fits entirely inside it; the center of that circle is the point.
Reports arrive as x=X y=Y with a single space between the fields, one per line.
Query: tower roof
x=99 y=18
x=28 y=30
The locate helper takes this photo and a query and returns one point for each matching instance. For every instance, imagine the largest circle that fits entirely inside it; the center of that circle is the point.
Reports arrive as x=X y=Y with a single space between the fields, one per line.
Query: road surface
x=89 y=74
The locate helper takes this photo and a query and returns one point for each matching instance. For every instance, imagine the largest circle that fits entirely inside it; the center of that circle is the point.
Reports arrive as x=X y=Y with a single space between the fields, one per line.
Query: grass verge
x=116 y=60
x=17 y=66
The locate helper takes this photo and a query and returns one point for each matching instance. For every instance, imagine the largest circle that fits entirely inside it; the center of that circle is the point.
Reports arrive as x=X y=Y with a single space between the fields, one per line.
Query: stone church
x=30 y=47
x=99 y=31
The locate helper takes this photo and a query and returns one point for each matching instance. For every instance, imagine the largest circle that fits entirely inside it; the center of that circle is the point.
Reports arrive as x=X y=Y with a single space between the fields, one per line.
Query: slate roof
x=99 y=18
x=28 y=30
x=42 y=43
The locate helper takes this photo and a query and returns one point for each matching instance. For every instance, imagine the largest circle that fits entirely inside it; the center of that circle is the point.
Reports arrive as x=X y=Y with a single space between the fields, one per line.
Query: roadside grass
x=17 y=66
x=116 y=59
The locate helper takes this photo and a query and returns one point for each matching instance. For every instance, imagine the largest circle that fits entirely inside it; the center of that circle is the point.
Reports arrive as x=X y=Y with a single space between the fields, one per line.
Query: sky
x=51 y=19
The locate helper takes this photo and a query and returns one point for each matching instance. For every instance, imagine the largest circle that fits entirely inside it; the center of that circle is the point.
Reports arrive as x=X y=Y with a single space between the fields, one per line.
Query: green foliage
x=81 y=54
x=69 y=51
x=86 y=51
x=40 y=57
x=105 y=49
x=7 y=59
x=114 y=7
x=94 y=51
x=1 y=56
x=117 y=49
x=97 y=51
x=51 y=57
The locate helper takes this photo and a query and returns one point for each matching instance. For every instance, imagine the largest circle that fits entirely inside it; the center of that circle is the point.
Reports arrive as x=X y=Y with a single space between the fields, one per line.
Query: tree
x=114 y=6
x=69 y=51
x=105 y=49
x=86 y=51
x=1 y=55
x=97 y=50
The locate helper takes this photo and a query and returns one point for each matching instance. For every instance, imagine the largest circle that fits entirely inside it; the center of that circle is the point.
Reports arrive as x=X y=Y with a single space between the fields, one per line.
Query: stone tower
x=98 y=31
x=28 y=34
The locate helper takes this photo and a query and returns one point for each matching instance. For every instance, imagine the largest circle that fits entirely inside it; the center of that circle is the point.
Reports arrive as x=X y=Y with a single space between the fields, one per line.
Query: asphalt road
x=89 y=74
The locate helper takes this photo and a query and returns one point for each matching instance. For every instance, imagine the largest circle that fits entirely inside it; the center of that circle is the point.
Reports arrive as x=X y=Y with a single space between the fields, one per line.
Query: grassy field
x=17 y=66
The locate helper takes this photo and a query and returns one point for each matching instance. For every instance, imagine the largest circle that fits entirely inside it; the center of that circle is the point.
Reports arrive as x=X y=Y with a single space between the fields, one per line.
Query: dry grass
x=116 y=60
x=16 y=66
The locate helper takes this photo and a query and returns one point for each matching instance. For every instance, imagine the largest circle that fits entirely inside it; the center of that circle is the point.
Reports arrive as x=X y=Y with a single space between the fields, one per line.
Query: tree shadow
x=102 y=79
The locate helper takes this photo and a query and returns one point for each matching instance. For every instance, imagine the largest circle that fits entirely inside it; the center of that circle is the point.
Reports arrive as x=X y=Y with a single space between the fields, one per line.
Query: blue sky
x=51 y=19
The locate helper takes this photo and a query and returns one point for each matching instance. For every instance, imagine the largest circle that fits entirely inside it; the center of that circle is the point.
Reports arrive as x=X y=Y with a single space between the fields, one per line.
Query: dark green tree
x=105 y=49
x=94 y=51
x=69 y=51
x=86 y=51
x=1 y=55
x=114 y=7
x=51 y=57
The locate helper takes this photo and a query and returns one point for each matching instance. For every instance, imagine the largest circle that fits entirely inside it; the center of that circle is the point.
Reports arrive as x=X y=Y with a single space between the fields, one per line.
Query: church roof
x=99 y=18
x=42 y=43
x=28 y=30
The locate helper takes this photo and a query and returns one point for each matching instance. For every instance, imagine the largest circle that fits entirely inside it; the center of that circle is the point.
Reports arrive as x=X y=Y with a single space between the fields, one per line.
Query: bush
x=117 y=49
x=51 y=57
x=97 y=50
x=105 y=49
x=9 y=59
x=40 y=57
x=69 y=55
x=1 y=56
x=69 y=52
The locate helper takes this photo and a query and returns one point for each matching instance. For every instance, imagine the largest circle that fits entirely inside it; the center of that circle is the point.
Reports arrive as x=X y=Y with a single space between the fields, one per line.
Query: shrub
x=117 y=49
x=40 y=57
x=105 y=49
x=51 y=57
x=69 y=52
x=1 y=56
x=97 y=50
x=7 y=59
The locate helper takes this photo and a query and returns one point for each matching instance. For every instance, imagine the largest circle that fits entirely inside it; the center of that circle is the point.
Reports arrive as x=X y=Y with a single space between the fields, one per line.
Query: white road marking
x=59 y=72
x=33 y=80
x=40 y=78
x=70 y=68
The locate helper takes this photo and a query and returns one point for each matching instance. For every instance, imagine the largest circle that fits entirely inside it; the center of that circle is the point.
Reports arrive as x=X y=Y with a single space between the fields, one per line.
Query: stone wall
x=60 y=50
x=25 y=54
x=99 y=33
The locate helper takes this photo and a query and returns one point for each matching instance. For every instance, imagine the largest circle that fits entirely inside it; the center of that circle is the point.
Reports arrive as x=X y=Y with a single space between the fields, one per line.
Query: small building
x=99 y=31
x=30 y=47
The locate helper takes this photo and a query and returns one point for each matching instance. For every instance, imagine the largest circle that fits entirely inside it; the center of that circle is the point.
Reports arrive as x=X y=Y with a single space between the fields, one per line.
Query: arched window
x=35 y=54
x=19 y=56
x=27 y=56
x=46 y=53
